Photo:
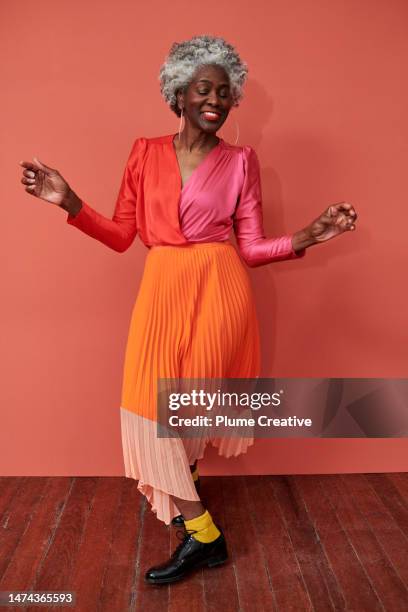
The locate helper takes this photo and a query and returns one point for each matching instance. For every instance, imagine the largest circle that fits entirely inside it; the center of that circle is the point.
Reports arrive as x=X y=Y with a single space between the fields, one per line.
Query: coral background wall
x=325 y=109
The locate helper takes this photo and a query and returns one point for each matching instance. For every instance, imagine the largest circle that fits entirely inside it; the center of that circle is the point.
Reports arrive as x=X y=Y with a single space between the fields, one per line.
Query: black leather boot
x=179 y=519
x=189 y=555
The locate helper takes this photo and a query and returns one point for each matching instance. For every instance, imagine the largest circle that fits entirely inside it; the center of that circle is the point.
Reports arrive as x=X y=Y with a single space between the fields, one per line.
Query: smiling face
x=208 y=91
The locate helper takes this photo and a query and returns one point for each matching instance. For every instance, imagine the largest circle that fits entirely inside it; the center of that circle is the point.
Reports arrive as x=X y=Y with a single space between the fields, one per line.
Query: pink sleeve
x=118 y=232
x=255 y=248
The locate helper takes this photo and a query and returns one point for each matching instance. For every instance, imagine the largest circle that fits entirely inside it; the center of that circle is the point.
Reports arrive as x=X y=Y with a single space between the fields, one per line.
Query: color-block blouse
x=223 y=192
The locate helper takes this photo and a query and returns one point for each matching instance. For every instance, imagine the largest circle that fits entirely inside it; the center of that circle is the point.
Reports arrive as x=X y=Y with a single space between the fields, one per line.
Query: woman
x=194 y=315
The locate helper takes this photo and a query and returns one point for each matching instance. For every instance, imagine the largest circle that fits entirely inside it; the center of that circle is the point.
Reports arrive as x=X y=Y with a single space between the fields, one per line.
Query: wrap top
x=222 y=193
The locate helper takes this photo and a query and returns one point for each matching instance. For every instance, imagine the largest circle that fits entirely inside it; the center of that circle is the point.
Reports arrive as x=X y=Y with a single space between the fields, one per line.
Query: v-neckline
x=182 y=187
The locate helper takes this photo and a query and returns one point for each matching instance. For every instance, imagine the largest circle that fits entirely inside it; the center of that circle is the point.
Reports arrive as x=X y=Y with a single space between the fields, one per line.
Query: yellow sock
x=195 y=474
x=205 y=527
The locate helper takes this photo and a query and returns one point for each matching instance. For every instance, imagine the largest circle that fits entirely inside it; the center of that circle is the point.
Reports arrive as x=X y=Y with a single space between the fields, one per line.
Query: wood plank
x=386 y=582
x=8 y=488
x=319 y=578
x=34 y=542
x=91 y=558
x=287 y=586
x=118 y=592
x=357 y=590
x=391 y=498
x=393 y=541
x=400 y=482
x=245 y=548
x=154 y=548
x=56 y=569
x=17 y=516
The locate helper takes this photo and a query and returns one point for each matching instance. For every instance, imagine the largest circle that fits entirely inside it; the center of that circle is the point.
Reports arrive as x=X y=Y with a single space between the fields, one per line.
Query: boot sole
x=213 y=562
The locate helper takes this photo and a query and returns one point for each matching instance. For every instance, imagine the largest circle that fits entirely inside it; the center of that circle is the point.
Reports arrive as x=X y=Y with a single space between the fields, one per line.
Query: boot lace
x=183 y=535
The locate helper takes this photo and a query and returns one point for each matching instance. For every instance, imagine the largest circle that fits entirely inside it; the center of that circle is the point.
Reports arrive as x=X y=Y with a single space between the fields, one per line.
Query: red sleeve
x=119 y=232
x=255 y=248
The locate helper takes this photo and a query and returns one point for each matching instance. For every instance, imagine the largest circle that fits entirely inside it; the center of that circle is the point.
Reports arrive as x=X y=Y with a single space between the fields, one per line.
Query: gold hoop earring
x=181 y=119
x=236 y=130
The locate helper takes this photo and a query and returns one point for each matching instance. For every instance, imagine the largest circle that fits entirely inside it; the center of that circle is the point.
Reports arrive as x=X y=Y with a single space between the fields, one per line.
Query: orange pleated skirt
x=194 y=317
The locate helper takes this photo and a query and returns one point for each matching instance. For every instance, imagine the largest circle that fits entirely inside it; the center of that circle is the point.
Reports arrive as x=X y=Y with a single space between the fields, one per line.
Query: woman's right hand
x=44 y=182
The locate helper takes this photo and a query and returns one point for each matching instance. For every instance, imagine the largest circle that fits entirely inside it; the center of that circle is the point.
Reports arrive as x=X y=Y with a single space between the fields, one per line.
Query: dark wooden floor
x=335 y=542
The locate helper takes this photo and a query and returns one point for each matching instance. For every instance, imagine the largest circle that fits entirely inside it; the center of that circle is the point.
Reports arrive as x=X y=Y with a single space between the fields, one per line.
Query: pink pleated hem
x=162 y=465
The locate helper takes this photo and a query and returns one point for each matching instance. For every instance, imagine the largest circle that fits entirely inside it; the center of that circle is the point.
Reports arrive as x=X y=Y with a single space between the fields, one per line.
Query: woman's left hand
x=338 y=218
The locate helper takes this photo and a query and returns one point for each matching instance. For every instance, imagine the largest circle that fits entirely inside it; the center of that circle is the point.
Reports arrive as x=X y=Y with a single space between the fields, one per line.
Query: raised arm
x=255 y=248
x=119 y=232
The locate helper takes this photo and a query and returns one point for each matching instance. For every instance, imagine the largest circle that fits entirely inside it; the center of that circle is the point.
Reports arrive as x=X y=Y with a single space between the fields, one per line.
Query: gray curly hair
x=186 y=57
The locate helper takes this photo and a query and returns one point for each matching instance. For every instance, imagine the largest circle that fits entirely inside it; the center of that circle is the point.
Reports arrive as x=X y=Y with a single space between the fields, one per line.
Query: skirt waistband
x=192 y=245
